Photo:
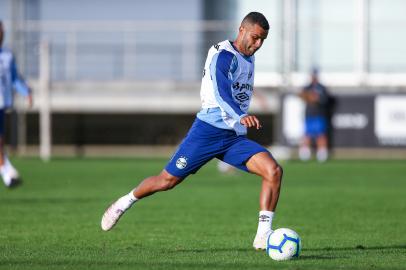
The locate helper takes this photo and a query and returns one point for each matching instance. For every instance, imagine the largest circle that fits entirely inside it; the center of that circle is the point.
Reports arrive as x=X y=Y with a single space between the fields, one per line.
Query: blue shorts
x=205 y=142
x=316 y=126
x=2 y=120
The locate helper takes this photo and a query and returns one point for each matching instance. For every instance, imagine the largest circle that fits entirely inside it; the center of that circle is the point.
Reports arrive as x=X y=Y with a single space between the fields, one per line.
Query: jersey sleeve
x=18 y=83
x=222 y=66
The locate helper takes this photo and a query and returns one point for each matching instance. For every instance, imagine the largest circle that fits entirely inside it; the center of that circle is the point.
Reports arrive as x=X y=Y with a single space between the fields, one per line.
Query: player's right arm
x=222 y=67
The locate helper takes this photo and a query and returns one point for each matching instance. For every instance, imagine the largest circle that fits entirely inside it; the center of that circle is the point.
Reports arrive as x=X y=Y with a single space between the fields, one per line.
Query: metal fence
x=71 y=63
x=175 y=51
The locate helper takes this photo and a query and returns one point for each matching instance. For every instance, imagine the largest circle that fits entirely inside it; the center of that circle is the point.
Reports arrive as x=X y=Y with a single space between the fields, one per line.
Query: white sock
x=126 y=201
x=322 y=154
x=9 y=167
x=4 y=175
x=265 y=222
x=305 y=153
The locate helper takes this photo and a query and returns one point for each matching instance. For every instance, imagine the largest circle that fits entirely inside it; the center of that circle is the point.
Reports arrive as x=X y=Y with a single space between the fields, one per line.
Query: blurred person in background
x=220 y=129
x=10 y=80
x=316 y=97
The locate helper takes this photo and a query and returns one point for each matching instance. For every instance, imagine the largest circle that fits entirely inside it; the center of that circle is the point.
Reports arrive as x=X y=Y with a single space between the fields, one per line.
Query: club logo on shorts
x=181 y=163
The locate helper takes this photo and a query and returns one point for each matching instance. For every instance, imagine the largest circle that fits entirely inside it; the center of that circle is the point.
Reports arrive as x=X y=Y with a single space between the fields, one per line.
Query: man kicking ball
x=220 y=129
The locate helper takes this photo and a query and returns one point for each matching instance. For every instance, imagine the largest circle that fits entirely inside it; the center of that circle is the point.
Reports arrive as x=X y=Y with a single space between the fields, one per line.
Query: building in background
x=140 y=58
x=104 y=40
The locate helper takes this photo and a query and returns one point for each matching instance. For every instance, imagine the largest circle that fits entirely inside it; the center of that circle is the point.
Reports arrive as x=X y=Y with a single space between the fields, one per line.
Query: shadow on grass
x=250 y=250
x=358 y=247
x=92 y=264
x=247 y=250
x=302 y=257
x=145 y=263
x=320 y=257
x=211 y=250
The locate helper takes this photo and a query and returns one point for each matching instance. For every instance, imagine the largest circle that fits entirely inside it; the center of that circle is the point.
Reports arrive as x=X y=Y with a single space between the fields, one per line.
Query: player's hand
x=314 y=97
x=251 y=121
x=310 y=97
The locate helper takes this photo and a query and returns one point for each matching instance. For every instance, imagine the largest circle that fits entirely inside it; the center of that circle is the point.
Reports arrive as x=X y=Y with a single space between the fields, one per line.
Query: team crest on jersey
x=181 y=163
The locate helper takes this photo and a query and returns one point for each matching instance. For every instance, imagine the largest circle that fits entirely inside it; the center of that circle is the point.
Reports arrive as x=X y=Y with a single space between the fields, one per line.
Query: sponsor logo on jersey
x=238 y=86
x=181 y=163
x=241 y=97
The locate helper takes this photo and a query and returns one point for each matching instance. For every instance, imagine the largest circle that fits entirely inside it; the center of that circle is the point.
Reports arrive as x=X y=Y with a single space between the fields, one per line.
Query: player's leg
x=249 y=156
x=4 y=175
x=321 y=139
x=264 y=165
x=163 y=181
x=322 y=150
x=2 y=168
x=7 y=171
x=195 y=150
x=150 y=185
x=305 y=152
x=305 y=147
x=271 y=172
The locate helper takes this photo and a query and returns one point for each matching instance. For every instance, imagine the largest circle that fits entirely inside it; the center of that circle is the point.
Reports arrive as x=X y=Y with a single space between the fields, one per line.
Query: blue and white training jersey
x=227 y=86
x=10 y=79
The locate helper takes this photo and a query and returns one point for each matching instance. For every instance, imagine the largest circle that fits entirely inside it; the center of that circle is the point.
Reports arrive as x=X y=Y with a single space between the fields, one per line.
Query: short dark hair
x=256 y=18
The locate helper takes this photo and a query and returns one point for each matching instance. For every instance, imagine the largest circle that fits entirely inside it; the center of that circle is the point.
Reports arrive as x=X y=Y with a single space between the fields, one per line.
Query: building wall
x=326 y=34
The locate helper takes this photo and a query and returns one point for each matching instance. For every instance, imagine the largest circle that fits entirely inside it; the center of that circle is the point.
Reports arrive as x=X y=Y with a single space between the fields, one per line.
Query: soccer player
x=9 y=80
x=220 y=129
x=316 y=97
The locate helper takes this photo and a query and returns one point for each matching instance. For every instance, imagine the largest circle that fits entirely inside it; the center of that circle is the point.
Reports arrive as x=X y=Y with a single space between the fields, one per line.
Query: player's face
x=253 y=37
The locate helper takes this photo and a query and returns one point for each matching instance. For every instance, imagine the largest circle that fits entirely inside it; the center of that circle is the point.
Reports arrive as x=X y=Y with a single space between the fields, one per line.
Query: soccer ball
x=283 y=244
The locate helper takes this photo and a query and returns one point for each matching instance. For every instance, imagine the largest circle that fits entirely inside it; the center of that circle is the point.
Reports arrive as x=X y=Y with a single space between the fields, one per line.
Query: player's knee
x=279 y=171
x=274 y=174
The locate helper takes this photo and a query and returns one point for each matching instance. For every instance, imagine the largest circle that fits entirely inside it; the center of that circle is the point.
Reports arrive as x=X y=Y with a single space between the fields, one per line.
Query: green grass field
x=350 y=215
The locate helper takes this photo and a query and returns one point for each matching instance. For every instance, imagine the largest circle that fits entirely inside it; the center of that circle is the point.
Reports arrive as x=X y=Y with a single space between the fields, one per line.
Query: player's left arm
x=19 y=84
